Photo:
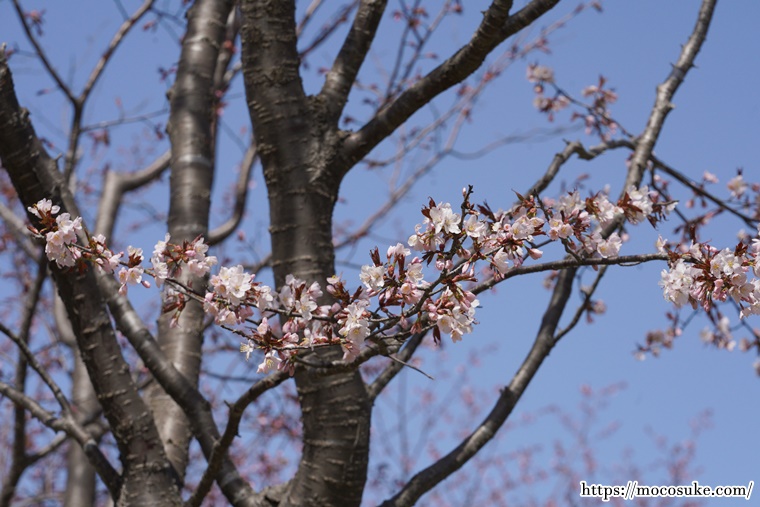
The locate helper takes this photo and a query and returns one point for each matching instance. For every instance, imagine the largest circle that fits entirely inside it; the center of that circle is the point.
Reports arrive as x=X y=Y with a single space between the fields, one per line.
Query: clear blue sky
x=714 y=127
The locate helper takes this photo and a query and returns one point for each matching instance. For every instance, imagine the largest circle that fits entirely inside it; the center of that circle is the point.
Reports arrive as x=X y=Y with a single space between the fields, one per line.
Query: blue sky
x=713 y=127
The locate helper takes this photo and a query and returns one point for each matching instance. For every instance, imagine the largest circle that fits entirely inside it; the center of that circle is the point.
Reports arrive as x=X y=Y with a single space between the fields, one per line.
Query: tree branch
x=19 y=461
x=659 y=164
x=196 y=408
x=78 y=103
x=572 y=148
x=17 y=227
x=569 y=263
x=222 y=73
x=192 y=135
x=431 y=476
x=583 y=307
x=545 y=340
x=665 y=91
x=219 y=451
x=118 y=37
x=35 y=176
x=393 y=369
x=66 y=424
x=115 y=185
x=41 y=53
x=39 y=369
x=497 y=26
x=352 y=54
x=223 y=231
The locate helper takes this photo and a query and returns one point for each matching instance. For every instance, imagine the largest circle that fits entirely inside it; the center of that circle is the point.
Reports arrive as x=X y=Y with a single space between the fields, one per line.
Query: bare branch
x=572 y=148
x=328 y=29
x=39 y=369
x=123 y=120
x=352 y=54
x=17 y=227
x=570 y=263
x=121 y=33
x=583 y=307
x=221 y=233
x=67 y=424
x=115 y=185
x=497 y=26
x=308 y=16
x=78 y=103
x=227 y=51
x=697 y=189
x=390 y=372
x=19 y=461
x=665 y=91
x=41 y=53
x=219 y=451
x=426 y=479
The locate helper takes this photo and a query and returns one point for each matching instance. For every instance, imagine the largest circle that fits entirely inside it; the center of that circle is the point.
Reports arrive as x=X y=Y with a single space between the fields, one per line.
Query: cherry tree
x=341 y=339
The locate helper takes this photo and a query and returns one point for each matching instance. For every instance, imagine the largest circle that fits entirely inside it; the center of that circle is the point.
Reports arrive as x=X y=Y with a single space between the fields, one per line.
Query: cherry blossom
x=539 y=73
x=677 y=283
x=133 y=272
x=609 y=247
x=737 y=186
x=425 y=292
x=372 y=277
x=444 y=219
x=44 y=208
x=232 y=284
x=161 y=269
x=354 y=326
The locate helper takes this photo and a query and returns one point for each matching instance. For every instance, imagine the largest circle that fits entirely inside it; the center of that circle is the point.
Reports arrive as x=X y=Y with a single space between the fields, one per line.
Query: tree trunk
x=80 y=475
x=147 y=478
x=297 y=146
x=192 y=172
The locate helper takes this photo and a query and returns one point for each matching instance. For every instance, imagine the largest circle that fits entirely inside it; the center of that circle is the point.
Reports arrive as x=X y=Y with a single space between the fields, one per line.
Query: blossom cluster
x=542 y=76
x=704 y=275
x=595 y=114
x=400 y=292
x=60 y=232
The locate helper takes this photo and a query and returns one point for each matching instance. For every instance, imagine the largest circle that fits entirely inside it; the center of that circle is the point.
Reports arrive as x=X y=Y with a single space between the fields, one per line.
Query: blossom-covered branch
x=398 y=297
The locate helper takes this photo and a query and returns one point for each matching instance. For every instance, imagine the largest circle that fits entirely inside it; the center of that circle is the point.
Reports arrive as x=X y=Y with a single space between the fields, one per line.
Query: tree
x=305 y=155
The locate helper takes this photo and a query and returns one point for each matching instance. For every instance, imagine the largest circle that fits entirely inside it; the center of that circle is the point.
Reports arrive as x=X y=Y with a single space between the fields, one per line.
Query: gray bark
x=192 y=170
x=296 y=147
x=80 y=477
x=305 y=156
x=147 y=477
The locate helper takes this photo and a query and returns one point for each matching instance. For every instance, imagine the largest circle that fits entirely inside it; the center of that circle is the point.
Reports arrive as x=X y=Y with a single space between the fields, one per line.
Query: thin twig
x=583 y=307
x=219 y=451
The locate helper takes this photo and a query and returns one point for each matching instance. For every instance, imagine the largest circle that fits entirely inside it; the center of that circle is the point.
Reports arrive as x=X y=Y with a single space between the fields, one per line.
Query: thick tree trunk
x=147 y=477
x=335 y=408
x=296 y=146
x=80 y=475
x=192 y=171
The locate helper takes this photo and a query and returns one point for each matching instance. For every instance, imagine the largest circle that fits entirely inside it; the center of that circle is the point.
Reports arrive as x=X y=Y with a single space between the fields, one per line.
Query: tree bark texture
x=191 y=134
x=147 y=476
x=296 y=147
